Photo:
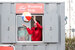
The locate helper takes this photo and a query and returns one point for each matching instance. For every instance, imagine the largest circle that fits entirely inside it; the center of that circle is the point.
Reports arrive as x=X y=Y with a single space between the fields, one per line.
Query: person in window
x=35 y=31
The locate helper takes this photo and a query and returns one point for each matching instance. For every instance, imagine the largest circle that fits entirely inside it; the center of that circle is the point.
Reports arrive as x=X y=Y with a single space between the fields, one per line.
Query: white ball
x=26 y=16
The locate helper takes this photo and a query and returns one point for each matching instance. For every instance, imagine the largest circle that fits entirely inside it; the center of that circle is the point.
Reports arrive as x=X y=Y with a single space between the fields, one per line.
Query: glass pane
x=23 y=34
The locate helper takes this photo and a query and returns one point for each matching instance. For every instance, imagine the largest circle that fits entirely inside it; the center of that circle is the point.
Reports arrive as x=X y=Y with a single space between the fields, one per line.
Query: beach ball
x=26 y=16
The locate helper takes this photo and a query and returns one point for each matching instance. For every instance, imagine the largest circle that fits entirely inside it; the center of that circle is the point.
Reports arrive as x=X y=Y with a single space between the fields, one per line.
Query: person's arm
x=30 y=31
x=34 y=19
x=38 y=25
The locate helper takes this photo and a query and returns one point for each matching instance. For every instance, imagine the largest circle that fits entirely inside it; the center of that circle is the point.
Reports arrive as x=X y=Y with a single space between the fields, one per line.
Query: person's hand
x=24 y=25
x=34 y=19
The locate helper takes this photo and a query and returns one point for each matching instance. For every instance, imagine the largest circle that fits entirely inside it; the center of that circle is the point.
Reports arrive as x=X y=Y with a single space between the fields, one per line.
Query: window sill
x=30 y=42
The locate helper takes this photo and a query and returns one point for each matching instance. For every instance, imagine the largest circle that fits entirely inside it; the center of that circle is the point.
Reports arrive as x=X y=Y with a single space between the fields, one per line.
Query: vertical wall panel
x=51 y=47
x=39 y=47
x=61 y=13
x=28 y=47
x=18 y=47
x=0 y=19
x=12 y=24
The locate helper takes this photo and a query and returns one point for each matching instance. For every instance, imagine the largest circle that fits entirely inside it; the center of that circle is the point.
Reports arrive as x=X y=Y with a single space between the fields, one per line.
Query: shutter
x=50 y=23
x=7 y=24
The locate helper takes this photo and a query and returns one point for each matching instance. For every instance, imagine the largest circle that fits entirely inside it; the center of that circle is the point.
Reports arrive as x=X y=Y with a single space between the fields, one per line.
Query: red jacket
x=36 y=32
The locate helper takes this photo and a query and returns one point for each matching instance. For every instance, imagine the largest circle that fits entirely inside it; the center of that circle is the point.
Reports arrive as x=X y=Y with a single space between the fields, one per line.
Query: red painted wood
x=6 y=48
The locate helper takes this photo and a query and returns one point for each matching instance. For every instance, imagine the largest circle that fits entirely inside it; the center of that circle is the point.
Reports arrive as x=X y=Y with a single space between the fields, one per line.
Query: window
x=22 y=33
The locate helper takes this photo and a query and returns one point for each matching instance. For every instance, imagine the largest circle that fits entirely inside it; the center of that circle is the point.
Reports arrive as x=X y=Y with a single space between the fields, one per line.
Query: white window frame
x=28 y=41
